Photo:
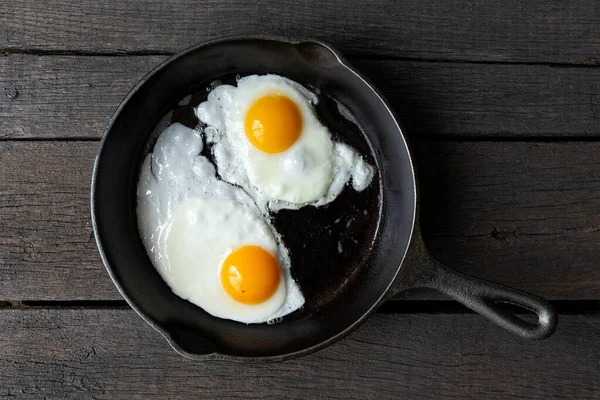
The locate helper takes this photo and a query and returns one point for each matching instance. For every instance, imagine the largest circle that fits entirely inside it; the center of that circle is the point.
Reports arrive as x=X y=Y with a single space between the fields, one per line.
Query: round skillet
x=348 y=257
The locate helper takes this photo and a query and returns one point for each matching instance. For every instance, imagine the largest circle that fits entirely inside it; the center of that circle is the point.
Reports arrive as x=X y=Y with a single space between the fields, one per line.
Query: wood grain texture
x=515 y=30
x=51 y=97
x=522 y=214
x=103 y=354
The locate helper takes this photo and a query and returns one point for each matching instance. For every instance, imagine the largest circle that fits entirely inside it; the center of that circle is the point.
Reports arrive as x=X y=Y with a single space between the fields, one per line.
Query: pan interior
x=327 y=244
x=344 y=255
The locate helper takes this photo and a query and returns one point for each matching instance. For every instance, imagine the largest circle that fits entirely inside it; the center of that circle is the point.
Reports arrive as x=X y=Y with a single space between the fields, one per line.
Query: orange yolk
x=250 y=275
x=273 y=123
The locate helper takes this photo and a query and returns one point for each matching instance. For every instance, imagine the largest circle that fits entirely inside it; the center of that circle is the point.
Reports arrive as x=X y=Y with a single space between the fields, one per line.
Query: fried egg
x=268 y=140
x=208 y=239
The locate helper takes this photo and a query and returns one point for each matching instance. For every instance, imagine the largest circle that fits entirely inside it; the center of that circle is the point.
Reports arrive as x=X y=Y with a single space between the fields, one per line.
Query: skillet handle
x=486 y=298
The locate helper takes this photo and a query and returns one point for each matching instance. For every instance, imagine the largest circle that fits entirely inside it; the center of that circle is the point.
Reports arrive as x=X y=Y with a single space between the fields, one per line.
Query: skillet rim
x=341 y=60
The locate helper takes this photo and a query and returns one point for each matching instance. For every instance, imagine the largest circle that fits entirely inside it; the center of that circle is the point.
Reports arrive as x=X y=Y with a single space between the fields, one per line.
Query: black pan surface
x=345 y=256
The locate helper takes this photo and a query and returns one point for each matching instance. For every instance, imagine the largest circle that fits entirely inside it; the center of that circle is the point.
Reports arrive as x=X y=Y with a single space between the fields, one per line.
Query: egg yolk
x=273 y=123
x=250 y=275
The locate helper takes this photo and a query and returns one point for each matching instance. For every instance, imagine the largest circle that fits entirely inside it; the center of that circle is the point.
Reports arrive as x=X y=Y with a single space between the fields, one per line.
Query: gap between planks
x=563 y=307
x=424 y=138
x=351 y=57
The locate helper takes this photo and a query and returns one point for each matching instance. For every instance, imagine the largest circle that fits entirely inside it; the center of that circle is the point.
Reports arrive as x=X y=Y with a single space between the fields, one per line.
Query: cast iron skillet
x=348 y=257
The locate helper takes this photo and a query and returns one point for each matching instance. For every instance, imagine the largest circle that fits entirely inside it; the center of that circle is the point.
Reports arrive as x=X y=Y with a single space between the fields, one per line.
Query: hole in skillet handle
x=485 y=298
x=525 y=314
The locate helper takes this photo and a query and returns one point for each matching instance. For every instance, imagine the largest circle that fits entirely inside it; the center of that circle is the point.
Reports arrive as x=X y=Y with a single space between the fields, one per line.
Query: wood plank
x=525 y=214
x=102 y=354
x=476 y=100
x=47 y=248
x=48 y=97
x=522 y=214
x=64 y=97
x=532 y=31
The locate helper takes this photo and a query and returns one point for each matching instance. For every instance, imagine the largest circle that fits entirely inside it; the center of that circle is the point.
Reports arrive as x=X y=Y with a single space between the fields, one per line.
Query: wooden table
x=501 y=102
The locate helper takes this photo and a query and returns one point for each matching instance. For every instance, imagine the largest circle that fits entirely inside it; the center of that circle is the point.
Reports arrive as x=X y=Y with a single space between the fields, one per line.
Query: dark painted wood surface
x=501 y=101
x=51 y=97
x=74 y=354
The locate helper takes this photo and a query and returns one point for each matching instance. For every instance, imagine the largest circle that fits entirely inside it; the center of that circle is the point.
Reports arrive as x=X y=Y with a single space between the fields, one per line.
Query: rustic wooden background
x=501 y=102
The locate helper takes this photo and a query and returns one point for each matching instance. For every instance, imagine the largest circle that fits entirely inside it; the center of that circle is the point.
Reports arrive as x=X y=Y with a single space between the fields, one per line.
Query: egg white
x=190 y=221
x=314 y=170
